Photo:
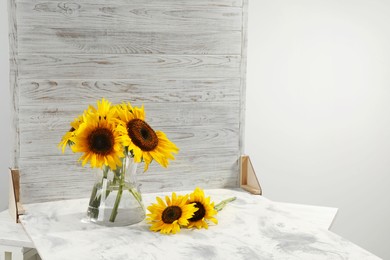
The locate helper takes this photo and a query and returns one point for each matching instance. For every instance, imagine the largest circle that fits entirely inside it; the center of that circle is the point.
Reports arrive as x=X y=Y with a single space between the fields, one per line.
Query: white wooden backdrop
x=184 y=60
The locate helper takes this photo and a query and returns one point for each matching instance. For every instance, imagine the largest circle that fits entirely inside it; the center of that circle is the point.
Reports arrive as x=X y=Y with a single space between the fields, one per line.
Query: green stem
x=105 y=172
x=223 y=203
x=114 y=211
x=137 y=196
x=94 y=201
x=121 y=174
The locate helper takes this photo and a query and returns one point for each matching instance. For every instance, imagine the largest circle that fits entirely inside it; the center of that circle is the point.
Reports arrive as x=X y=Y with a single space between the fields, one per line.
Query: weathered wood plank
x=208 y=168
x=243 y=74
x=53 y=92
x=158 y=115
x=128 y=16
x=186 y=138
x=41 y=39
x=148 y=3
x=13 y=81
x=127 y=66
x=80 y=187
x=219 y=159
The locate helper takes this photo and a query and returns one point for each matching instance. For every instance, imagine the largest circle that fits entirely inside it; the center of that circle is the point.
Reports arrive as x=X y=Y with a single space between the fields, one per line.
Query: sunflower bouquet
x=193 y=210
x=114 y=138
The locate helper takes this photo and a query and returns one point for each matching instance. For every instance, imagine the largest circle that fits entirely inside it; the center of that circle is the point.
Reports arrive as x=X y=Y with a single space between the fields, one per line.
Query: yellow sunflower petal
x=168 y=200
x=167 y=216
x=200 y=218
x=161 y=202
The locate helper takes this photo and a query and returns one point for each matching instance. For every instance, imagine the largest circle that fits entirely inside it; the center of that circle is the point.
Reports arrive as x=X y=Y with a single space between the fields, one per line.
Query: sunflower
x=97 y=137
x=144 y=143
x=205 y=210
x=67 y=139
x=104 y=109
x=168 y=216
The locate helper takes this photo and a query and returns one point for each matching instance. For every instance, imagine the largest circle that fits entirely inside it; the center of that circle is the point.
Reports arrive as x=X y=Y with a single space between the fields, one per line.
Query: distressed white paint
x=101 y=66
x=184 y=60
x=13 y=76
x=128 y=16
x=136 y=91
x=127 y=41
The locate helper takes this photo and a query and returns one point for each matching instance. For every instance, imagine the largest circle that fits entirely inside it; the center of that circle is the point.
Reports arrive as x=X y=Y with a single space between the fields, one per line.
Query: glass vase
x=116 y=198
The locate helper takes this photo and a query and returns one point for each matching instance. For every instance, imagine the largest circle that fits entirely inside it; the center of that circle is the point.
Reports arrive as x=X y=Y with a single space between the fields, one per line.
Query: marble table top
x=251 y=227
x=322 y=217
x=11 y=233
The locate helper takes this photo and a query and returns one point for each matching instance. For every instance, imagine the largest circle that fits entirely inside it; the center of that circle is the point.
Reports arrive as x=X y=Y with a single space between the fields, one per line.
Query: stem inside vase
x=121 y=176
x=115 y=198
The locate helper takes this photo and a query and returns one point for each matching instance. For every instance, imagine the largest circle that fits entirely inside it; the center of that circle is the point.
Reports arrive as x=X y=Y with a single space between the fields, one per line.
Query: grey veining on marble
x=251 y=227
x=11 y=233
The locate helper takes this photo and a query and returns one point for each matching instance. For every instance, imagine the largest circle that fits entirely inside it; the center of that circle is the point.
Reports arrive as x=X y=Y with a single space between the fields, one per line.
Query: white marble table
x=12 y=234
x=14 y=240
x=321 y=217
x=252 y=227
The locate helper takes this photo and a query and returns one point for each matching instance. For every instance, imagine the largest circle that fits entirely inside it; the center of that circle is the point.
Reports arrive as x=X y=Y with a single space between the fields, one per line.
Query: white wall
x=318 y=109
x=4 y=107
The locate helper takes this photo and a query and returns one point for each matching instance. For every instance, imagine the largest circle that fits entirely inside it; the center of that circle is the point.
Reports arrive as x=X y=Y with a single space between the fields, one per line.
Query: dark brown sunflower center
x=101 y=141
x=142 y=135
x=170 y=214
x=200 y=213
